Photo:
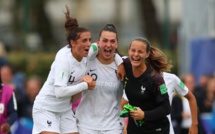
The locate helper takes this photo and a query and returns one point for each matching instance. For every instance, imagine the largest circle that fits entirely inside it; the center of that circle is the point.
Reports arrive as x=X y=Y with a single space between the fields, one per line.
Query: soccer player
x=175 y=85
x=145 y=88
x=52 y=112
x=98 y=111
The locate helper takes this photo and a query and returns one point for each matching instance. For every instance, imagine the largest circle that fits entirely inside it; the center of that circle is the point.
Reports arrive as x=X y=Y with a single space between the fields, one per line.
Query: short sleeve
x=161 y=89
x=180 y=87
x=93 y=51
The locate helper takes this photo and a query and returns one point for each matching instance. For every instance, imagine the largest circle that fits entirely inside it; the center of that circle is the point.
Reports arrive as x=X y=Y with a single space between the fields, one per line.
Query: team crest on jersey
x=181 y=84
x=163 y=89
x=142 y=90
x=63 y=75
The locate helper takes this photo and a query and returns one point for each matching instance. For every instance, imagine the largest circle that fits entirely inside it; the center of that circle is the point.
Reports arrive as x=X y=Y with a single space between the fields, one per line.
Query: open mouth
x=135 y=59
x=107 y=52
x=86 y=50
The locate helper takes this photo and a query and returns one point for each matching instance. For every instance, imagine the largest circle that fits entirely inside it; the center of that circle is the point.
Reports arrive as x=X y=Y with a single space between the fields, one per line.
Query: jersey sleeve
x=12 y=114
x=161 y=89
x=93 y=51
x=61 y=72
x=180 y=87
x=68 y=91
x=118 y=59
x=60 y=69
x=162 y=100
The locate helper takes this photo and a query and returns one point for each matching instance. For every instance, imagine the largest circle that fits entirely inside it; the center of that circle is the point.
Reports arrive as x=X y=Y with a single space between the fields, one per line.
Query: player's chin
x=85 y=54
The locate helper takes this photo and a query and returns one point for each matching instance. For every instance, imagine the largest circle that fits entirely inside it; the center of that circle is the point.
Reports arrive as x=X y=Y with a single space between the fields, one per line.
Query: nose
x=108 y=44
x=89 y=42
x=135 y=53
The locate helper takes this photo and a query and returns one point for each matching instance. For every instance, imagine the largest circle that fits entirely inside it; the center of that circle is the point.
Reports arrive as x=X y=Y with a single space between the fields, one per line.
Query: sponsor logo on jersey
x=158 y=129
x=49 y=123
x=163 y=89
x=142 y=90
x=181 y=84
x=92 y=70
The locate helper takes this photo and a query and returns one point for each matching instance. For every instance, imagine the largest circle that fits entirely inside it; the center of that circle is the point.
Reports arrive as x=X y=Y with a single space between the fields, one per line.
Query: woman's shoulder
x=64 y=49
x=158 y=78
x=63 y=52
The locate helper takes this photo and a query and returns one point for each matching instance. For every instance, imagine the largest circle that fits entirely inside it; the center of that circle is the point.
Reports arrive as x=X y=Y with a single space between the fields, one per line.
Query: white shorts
x=90 y=131
x=59 y=122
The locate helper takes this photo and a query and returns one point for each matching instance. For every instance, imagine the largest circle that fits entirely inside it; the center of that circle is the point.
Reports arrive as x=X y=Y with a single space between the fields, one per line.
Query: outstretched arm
x=193 y=108
x=121 y=70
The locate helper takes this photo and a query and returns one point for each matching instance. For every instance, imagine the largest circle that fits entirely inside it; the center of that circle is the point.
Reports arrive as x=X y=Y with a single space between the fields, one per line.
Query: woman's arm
x=161 y=111
x=193 y=108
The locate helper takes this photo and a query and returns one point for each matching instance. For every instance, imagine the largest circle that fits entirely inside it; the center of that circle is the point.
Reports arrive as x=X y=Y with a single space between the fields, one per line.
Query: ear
x=117 y=45
x=72 y=42
x=147 y=55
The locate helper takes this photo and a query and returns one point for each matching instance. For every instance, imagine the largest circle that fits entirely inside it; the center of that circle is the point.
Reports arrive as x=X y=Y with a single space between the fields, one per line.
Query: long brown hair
x=158 y=60
x=71 y=25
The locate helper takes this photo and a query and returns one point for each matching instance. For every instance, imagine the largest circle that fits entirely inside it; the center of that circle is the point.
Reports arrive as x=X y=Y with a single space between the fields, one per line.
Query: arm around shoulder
x=194 y=112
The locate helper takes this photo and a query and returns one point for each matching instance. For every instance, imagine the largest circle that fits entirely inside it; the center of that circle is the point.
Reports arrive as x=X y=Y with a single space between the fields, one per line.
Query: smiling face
x=138 y=53
x=107 y=45
x=81 y=46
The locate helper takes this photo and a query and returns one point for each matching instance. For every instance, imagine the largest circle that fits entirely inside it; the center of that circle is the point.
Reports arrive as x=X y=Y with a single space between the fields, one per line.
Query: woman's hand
x=193 y=129
x=5 y=128
x=90 y=81
x=120 y=74
x=137 y=114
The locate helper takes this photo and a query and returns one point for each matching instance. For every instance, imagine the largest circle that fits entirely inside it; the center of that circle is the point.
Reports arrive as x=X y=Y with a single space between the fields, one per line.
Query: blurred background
x=31 y=32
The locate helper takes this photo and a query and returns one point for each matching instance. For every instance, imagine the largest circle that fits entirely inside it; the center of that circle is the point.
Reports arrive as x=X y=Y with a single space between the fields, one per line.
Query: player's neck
x=105 y=60
x=139 y=70
x=76 y=56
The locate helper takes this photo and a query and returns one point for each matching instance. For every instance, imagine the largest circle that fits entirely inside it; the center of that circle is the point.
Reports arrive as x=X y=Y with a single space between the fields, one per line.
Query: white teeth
x=135 y=59
x=107 y=50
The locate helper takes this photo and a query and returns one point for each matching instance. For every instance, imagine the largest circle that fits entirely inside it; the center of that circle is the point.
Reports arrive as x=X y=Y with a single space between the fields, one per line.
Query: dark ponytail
x=110 y=28
x=73 y=30
x=158 y=60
